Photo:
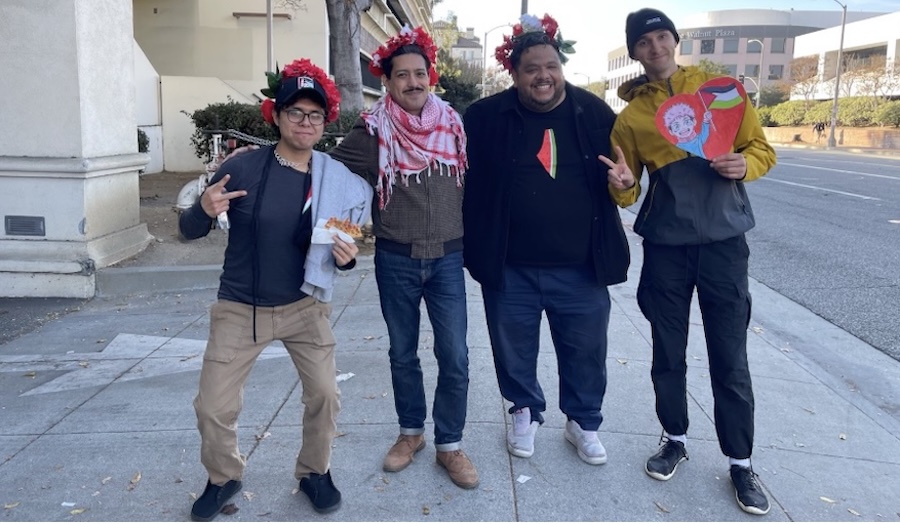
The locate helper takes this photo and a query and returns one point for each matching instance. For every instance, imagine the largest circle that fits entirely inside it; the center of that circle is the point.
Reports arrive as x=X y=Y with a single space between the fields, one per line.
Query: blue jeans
x=578 y=313
x=402 y=284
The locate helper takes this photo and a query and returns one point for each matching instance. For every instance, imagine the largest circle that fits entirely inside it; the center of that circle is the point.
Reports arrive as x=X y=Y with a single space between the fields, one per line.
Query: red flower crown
x=532 y=24
x=298 y=68
x=407 y=36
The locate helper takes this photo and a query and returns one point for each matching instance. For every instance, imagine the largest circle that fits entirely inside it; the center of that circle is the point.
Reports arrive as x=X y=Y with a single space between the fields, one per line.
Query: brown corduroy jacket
x=424 y=216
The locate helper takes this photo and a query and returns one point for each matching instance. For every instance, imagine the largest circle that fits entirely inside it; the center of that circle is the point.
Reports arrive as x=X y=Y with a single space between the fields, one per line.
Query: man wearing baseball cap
x=276 y=283
x=693 y=223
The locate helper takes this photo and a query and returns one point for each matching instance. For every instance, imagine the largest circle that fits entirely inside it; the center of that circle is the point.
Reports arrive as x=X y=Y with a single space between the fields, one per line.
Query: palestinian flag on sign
x=721 y=97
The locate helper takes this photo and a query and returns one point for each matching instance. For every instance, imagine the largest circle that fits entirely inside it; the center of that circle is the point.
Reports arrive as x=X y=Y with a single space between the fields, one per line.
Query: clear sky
x=598 y=26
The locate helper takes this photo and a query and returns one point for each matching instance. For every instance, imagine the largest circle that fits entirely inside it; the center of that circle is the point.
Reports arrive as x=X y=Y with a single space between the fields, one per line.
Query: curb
x=155 y=279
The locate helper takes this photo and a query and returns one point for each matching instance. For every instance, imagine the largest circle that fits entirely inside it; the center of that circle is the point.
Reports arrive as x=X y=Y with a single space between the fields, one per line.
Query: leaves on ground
x=828 y=500
x=426 y=510
x=78 y=511
x=662 y=508
x=10 y=505
x=842 y=436
x=134 y=481
x=853 y=512
x=345 y=376
x=248 y=495
x=30 y=374
x=263 y=436
x=229 y=509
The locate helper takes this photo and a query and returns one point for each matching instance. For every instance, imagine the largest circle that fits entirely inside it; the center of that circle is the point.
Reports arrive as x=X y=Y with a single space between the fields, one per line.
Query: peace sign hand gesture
x=619 y=175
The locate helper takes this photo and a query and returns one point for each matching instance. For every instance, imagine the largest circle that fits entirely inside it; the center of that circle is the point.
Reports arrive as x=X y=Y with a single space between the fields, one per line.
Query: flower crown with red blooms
x=532 y=24
x=407 y=36
x=298 y=68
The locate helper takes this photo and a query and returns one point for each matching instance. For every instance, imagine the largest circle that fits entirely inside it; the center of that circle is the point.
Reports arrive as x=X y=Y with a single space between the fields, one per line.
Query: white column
x=69 y=196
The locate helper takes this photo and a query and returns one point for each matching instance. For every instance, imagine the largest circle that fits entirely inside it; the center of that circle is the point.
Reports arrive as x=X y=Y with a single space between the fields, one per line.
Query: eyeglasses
x=297 y=116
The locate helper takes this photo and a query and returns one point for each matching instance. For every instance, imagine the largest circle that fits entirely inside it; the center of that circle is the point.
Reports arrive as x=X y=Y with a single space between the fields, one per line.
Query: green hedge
x=247 y=118
x=854 y=111
x=889 y=114
x=143 y=141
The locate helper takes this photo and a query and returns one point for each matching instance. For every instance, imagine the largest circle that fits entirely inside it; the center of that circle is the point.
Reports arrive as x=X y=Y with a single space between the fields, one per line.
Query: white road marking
x=864 y=197
x=840 y=171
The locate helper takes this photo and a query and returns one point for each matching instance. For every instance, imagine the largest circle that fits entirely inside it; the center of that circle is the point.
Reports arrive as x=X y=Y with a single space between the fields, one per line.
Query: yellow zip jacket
x=687 y=202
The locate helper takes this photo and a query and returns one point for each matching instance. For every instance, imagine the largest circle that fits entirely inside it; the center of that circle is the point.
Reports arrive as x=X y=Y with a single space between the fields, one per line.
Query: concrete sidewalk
x=98 y=423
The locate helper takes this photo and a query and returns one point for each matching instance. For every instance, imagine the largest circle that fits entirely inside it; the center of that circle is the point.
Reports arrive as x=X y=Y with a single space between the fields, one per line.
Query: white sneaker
x=520 y=438
x=587 y=443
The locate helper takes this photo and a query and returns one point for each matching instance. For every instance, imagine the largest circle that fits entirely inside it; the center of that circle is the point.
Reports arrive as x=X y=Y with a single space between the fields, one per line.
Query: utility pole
x=837 y=78
x=524 y=7
x=270 y=41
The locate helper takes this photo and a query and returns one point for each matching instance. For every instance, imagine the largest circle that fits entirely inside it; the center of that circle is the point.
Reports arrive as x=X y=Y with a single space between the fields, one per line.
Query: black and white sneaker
x=748 y=492
x=663 y=464
x=321 y=491
x=213 y=500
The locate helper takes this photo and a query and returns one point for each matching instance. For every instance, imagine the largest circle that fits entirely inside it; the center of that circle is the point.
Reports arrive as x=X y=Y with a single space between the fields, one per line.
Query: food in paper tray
x=344 y=225
x=325 y=230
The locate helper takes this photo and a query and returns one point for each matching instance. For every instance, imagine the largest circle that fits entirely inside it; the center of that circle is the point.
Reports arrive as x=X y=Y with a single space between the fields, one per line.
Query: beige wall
x=204 y=38
x=182 y=93
x=876 y=137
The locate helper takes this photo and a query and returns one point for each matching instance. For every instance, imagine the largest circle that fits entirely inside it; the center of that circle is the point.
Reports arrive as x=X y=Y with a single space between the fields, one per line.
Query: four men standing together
x=544 y=165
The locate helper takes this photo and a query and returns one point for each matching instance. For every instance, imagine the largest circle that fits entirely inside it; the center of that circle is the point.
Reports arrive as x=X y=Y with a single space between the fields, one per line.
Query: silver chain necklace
x=299 y=166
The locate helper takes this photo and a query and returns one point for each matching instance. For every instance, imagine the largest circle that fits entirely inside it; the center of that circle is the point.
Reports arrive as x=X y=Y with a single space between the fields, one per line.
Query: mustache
x=413 y=89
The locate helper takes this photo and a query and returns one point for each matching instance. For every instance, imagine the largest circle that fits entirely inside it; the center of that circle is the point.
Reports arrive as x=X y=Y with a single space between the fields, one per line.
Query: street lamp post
x=837 y=77
x=484 y=58
x=588 y=86
x=762 y=48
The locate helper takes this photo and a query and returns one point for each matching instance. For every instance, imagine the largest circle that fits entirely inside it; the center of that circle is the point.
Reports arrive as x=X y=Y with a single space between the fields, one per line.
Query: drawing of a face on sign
x=704 y=123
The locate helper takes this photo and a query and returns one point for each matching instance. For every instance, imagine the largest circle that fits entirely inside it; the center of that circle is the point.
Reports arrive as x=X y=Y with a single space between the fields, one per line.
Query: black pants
x=719 y=273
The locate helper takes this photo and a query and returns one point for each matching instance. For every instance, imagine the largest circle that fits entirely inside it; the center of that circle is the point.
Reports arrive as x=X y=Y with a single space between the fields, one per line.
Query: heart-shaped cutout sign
x=706 y=122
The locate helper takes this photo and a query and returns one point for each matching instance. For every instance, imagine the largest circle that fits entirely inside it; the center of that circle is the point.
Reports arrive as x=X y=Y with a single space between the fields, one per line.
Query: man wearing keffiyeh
x=411 y=147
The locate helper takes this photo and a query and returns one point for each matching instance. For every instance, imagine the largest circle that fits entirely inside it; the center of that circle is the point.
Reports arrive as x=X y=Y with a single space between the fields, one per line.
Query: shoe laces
x=671 y=449
x=747 y=479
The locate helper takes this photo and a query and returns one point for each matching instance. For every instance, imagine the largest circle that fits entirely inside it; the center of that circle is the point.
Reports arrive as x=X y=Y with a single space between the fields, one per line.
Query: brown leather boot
x=401 y=453
x=462 y=471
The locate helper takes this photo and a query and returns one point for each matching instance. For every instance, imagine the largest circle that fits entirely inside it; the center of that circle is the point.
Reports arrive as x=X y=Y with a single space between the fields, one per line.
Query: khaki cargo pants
x=304 y=329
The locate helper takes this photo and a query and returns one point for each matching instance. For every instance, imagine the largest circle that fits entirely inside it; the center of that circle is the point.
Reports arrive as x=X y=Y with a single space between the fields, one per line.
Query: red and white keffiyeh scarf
x=409 y=144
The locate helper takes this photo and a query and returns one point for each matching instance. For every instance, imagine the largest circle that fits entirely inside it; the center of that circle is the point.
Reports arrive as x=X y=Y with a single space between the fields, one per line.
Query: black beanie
x=642 y=22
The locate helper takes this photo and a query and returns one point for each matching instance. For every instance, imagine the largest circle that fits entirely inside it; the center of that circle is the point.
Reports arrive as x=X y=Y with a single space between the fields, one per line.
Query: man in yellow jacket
x=693 y=221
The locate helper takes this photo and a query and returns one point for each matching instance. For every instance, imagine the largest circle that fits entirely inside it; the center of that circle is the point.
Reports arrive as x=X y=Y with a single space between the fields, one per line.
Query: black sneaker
x=747 y=491
x=662 y=465
x=213 y=500
x=320 y=489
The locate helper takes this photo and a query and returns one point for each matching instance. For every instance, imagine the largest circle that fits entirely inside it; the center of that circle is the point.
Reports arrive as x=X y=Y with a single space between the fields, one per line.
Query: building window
x=368 y=79
x=732 y=70
x=776 y=72
x=707 y=47
x=687 y=47
x=731 y=45
x=777 y=45
x=751 y=70
x=753 y=47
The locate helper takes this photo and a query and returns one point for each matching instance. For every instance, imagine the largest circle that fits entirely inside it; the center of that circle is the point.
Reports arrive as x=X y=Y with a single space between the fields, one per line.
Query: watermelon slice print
x=547 y=155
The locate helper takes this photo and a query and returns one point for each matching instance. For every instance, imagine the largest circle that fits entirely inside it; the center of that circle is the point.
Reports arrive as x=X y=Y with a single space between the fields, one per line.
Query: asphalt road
x=828 y=236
